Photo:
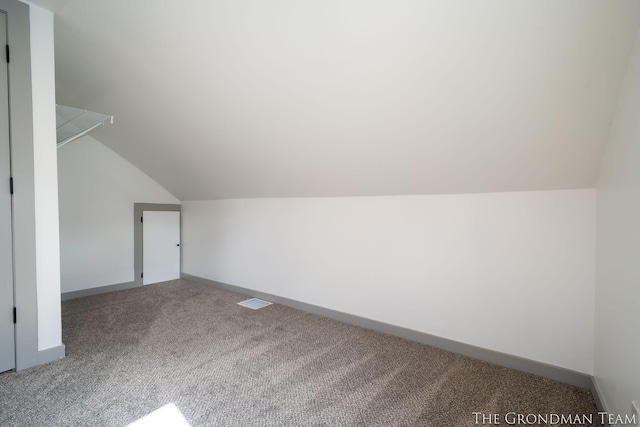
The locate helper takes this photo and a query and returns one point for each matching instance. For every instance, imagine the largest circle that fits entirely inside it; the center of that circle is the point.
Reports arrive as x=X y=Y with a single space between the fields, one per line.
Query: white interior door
x=160 y=246
x=7 y=337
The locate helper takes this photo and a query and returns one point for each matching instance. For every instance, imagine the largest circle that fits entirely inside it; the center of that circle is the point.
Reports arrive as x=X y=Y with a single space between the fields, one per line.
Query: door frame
x=22 y=164
x=8 y=286
x=138 y=209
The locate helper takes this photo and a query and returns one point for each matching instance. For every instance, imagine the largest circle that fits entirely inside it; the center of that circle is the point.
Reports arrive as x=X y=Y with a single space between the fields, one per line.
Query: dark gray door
x=7 y=330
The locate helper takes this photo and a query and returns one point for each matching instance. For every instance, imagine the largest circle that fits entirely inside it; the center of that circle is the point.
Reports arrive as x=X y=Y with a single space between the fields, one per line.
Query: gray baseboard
x=601 y=403
x=545 y=370
x=51 y=354
x=99 y=290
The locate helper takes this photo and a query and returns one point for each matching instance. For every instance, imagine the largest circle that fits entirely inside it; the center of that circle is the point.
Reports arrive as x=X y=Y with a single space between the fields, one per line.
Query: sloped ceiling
x=286 y=98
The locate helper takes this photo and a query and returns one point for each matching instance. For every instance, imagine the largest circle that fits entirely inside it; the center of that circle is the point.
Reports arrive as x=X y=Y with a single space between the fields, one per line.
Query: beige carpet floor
x=132 y=352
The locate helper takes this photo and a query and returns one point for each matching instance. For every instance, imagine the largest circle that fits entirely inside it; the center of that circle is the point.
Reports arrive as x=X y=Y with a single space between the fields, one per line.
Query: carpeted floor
x=132 y=352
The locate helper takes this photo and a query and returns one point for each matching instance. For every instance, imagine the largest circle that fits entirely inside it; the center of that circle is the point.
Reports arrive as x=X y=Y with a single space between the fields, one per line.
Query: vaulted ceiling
x=248 y=98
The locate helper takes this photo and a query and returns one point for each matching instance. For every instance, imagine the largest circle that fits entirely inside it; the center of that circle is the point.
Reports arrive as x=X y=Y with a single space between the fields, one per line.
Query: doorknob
x=178 y=244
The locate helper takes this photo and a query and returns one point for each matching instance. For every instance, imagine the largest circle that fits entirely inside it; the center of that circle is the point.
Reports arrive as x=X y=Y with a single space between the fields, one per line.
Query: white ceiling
x=287 y=98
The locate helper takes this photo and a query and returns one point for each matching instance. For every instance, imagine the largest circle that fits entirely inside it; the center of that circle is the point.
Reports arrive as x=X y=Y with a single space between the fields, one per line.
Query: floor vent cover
x=254 y=303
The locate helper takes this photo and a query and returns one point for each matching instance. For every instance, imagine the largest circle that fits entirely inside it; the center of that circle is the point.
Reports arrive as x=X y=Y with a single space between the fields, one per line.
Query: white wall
x=97 y=190
x=617 y=342
x=45 y=179
x=512 y=272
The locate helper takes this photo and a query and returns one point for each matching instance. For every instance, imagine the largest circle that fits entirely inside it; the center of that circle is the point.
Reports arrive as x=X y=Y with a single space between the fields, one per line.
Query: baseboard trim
x=51 y=354
x=601 y=403
x=99 y=290
x=541 y=369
